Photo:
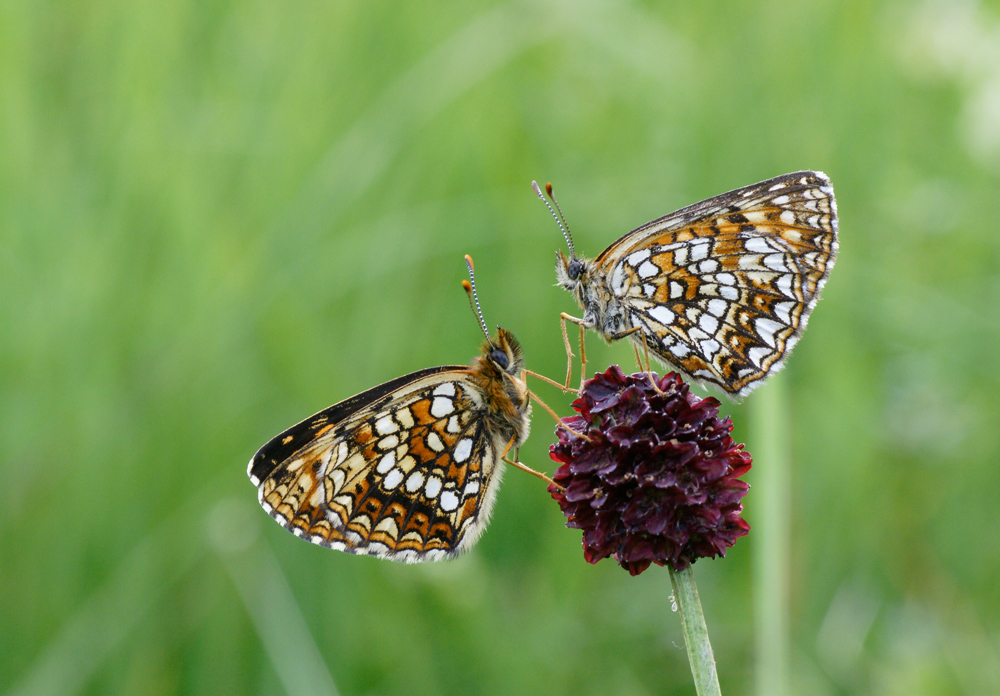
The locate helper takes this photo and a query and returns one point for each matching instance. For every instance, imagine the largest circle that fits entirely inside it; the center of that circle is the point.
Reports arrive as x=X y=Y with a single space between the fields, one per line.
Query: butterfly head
x=503 y=355
x=570 y=272
x=574 y=274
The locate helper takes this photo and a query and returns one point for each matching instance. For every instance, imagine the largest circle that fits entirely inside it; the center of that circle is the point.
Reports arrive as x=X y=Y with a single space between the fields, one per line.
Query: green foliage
x=217 y=218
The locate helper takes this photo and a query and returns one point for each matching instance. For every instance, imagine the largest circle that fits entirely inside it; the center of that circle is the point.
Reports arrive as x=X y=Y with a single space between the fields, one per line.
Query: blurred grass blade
x=772 y=533
x=496 y=38
x=116 y=608
x=268 y=598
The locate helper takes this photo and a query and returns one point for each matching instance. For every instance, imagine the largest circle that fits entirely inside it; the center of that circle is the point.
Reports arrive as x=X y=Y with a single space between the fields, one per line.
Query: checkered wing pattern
x=723 y=288
x=405 y=471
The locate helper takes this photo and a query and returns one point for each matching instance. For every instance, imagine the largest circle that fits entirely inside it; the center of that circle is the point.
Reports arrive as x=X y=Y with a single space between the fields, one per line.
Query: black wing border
x=280 y=448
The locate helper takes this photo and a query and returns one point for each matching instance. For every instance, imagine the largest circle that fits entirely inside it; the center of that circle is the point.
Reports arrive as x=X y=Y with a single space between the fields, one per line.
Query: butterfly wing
x=405 y=471
x=723 y=288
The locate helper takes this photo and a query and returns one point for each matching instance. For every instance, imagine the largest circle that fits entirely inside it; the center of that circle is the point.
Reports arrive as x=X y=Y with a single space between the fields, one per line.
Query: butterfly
x=720 y=290
x=408 y=470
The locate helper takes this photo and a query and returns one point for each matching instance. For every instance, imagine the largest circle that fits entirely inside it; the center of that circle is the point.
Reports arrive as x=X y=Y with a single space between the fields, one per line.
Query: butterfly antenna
x=470 y=290
x=560 y=218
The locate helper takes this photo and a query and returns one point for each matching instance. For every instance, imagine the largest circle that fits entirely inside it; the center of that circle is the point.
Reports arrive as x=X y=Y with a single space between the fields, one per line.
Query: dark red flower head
x=658 y=480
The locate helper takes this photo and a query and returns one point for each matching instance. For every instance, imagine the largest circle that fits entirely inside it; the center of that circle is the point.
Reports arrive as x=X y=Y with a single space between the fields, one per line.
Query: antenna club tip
x=536 y=189
x=548 y=187
x=468 y=260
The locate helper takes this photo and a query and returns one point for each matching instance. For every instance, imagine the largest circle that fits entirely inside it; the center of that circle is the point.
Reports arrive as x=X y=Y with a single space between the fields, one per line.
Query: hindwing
x=406 y=471
x=723 y=288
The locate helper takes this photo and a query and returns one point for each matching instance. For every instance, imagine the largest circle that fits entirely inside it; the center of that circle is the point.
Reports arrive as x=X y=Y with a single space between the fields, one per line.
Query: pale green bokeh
x=217 y=218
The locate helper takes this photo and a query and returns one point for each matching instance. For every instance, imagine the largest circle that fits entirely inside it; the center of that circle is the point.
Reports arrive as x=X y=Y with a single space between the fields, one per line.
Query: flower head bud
x=657 y=478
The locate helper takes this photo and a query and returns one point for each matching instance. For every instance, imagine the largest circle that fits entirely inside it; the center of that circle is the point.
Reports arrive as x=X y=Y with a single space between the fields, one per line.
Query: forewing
x=724 y=288
x=406 y=473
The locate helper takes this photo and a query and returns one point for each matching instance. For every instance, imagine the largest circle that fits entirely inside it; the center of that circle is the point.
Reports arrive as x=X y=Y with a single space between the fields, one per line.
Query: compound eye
x=500 y=358
x=575 y=268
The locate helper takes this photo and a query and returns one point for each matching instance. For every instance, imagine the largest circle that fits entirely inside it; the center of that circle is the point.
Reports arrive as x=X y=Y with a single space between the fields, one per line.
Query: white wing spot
x=784 y=311
x=618 y=279
x=638 y=257
x=730 y=293
x=709 y=323
x=776 y=262
x=676 y=290
x=662 y=315
x=471 y=488
x=725 y=278
x=442 y=406
x=709 y=348
x=446 y=389
x=699 y=251
x=780 y=200
x=647 y=270
x=717 y=307
x=757 y=245
x=785 y=285
x=449 y=501
x=415 y=481
x=463 y=449
x=681 y=350
x=386 y=425
x=696 y=334
x=756 y=355
x=787 y=216
x=681 y=256
x=766 y=328
x=648 y=289
x=388 y=443
x=394 y=478
x=386 y=463
x=708 y=266
x=453 y=425
x=433 y=487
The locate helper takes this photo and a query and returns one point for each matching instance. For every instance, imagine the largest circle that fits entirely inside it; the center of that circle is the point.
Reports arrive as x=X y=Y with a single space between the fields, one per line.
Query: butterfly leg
x=649 y=371
x=554 y=383
x=645 y=347
x=524 y=467
x=558 y=420
x=638 y=360
x=563 y=318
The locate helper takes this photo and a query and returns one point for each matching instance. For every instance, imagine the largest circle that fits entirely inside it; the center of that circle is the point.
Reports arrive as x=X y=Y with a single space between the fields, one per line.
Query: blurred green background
x=217 y=218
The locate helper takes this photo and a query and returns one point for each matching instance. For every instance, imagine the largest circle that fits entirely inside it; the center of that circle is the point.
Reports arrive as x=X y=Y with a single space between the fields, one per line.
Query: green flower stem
x=706 y=681
x=771 y=511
